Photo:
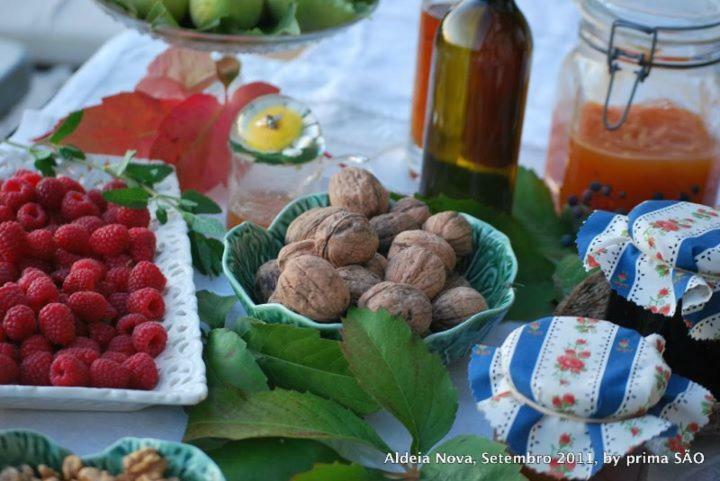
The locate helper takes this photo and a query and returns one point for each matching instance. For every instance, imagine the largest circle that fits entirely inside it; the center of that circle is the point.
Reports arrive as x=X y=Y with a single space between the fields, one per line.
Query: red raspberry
x=150 y=337
x=36 y=343
x=143 y=371
x=91 y=306
x=19 y=323
x=132 y=217
x=11 y=295
x=109 y=374
x=118 y=357
x=35 y=369
x=76 y=205
x=15 y=193
x=6 y=213
x=88 y=356
x=127 y=323
x=64 y=259
x=31 y=216
x=122 y=343
x=142 y=244
x=93 y=265
x=73 y=238
x=9 y=350
x=80 y=280
x=101 y=333
x=71 y=184
x=90 y=223
x=98 y=199
x=57 y=323
x=29 y=276
x=12 y=241
x=50 y=193
x=123 y=260
x=41 y=244
x=86 y=343
x=148 y=302
x=110 y=215
x=67 y=370
x=118 y=276
x=42 y=291
x=9 y=371
x=8 y=273
x=81 y=327
x=32 y=178
x=119 y=302
x=111 y=240
x=146 y=274
x=59 y=276
x=29 y=262
x=115 y=184
x=2 y=334
x=105 y=288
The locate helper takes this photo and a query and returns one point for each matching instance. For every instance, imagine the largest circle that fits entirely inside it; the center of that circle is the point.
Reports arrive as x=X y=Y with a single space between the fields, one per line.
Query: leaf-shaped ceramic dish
x=491 y=270
x=186 y=462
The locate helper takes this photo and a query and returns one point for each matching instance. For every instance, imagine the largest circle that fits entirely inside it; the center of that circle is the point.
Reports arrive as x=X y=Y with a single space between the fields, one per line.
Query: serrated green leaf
x=474 y=447
x=207 y=226
x=68 y=126
x=44 y=161
x=132 y=197
x=299 y=359
x=214 y=309
x=148 y=174
x=569 y=273
x=206 y=253
x=199 y=203
x=161 y=215
x=70 y=152
x=395 y=367
x=227 y=355
x=338 y=472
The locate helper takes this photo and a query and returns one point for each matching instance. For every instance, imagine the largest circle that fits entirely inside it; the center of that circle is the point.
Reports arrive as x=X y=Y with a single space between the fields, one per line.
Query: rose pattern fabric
x=539 y=400
x=662 y=253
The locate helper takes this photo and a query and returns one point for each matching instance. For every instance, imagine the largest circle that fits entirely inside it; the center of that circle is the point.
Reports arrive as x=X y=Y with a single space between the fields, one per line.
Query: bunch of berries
x=81 y=300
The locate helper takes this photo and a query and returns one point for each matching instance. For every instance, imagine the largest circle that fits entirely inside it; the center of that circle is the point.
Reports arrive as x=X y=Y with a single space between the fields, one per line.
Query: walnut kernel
x=426 y=240
x=454 y=228
x=345 y=238
x=357 y=190
x=147 y=462
x=400 y=300
x=454 y=306
x=418 y=267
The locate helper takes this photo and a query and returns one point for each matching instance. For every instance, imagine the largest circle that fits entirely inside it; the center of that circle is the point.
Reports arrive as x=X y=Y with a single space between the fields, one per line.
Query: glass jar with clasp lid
x=638 y=110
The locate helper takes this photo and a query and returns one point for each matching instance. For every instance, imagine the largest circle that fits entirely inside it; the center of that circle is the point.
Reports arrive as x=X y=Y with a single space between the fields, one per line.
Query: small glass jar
x=638 y=109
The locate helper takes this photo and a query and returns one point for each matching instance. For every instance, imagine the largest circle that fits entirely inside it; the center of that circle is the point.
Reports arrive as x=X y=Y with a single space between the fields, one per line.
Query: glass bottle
x=480 y=76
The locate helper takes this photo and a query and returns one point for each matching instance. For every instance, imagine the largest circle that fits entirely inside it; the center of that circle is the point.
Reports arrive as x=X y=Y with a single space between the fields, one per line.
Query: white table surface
x=359 y=85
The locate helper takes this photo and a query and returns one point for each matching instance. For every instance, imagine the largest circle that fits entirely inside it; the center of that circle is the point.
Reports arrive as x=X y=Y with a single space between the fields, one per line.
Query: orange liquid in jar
x=661 y=152
x=430 y=20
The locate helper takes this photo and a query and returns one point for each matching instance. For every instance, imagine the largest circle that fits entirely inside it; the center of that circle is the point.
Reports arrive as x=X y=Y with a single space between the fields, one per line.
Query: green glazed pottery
x=491 y=270
x=185 y=462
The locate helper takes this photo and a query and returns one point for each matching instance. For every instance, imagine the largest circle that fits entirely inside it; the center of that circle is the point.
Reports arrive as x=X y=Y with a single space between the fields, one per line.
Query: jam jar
x=637 y=114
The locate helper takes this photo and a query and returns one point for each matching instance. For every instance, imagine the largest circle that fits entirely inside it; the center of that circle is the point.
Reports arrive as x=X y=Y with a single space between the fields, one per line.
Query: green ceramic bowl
x=491 y=270
x=186 y=462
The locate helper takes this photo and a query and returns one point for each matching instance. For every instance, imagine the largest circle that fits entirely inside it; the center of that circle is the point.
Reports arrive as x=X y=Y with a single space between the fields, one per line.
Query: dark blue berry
x=606 y=190
x=622 y=194
x=566 y=240
x=587 y=197
x=621 y=211
x=695 y=189
x=595 y=186
x=658 y=196
x=572 y=200
x=684 y=197
x=578 y=212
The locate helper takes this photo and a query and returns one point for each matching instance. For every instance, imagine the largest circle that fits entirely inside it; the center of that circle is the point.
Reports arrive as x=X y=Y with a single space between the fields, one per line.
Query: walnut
x=377 y=265
x=266 y=279
x=418 y=267
x=304 y=226
x=358 y=191
x=359 y=280
x=47 y=472
x=94 y=474
x=71 y=466
x=454 y=306
x=400 y=300
x=454 y=228
x=296 y=249
x=389 y=225
x=10 y=474
x=145 y=462
x=425 y=240
x=345 y=238
x=413 y=207
x=312 y=287
x=455 y=280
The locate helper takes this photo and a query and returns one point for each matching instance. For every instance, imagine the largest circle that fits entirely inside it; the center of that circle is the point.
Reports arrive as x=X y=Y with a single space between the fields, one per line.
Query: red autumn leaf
x=178 y=73
x=194 y=136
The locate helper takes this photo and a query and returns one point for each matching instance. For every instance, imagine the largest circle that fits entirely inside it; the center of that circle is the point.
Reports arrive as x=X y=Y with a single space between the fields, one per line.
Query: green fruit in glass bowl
x=177 y=8
x=239 y=14
x=141 y=7
x=278 y=8
x=321 y=14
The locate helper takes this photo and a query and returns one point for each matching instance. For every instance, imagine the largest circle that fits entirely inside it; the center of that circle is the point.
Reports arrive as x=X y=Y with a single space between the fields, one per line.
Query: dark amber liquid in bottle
x=481 y=71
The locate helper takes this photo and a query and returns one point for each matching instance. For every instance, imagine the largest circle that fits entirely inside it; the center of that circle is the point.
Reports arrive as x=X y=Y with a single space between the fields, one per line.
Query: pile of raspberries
x=81 y=300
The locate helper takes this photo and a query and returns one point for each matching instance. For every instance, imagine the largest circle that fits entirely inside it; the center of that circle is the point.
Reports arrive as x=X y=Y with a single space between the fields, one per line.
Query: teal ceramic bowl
x=186 y=462
x=491 y=270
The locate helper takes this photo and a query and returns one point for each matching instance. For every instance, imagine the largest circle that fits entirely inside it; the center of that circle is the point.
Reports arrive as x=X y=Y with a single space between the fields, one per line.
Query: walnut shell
x=377 y=265
x=305 y=225
x=296 y=249
x=418 y=267
x=454 y=306
x=359 y=280
x=312 y=287
x=400 y=300
x=455 y=280
x=266 y=279
x=346 y=238
x=454 y=228
x=413 y=207
x=358 y=191
x=426 y=240
x=389 y=225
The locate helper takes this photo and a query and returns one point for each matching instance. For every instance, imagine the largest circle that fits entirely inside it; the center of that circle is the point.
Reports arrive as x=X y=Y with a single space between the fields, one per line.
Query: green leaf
x=206 y=253
x=122 y=167
x=231 y=414
x=269 y=459
x=299 y=359
x=160 y=16
x=148 y=174
x=214 y=309
x=68 y=126
x=200 y=203
x=207 y=226
x=395 y=367
x=162 y=215
x=227 y=355
x=338 y=472
x=569 y=273
x=132 y=197
x=44 y=161
x=474 y=447
x=70 y=152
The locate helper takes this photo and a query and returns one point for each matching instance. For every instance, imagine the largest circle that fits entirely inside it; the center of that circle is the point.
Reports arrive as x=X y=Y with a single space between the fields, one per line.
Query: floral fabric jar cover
x=569 y=390
x=662 y=253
